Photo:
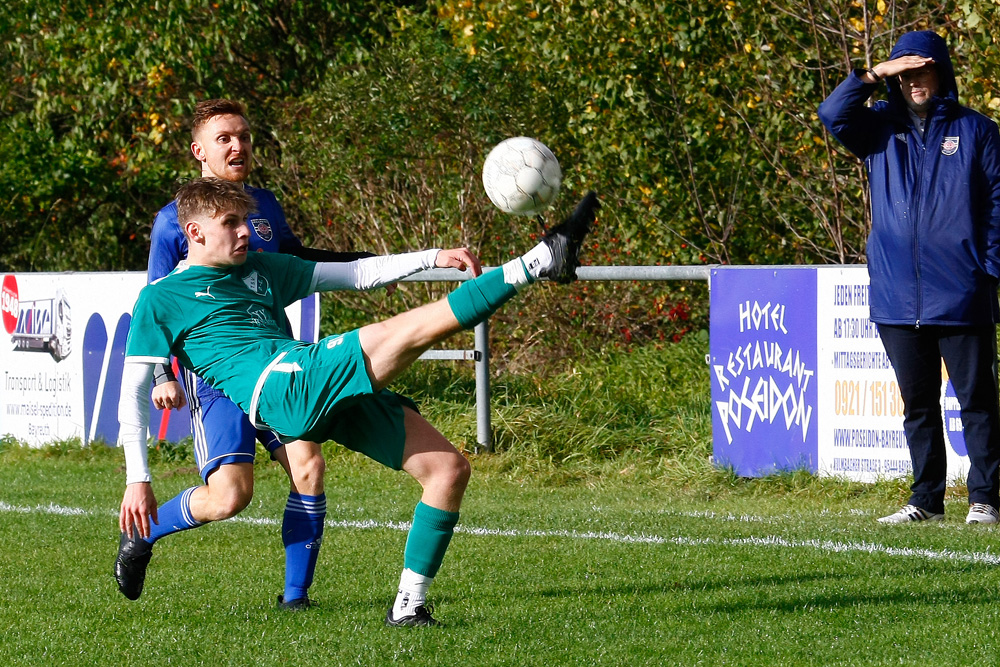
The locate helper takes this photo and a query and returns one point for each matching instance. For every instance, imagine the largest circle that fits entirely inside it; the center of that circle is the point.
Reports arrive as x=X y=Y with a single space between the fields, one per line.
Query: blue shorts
x=222 y=431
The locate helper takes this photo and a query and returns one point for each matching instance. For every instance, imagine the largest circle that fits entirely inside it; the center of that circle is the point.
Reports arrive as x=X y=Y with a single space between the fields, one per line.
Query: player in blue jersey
x=221 y=314
x=223 y=436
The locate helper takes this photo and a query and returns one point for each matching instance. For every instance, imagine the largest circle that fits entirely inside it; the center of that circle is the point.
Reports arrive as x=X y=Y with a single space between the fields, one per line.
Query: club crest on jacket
x=263 y=228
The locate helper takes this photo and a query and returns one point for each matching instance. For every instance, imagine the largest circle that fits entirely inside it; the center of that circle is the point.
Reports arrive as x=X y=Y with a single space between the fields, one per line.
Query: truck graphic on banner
x=44 y=325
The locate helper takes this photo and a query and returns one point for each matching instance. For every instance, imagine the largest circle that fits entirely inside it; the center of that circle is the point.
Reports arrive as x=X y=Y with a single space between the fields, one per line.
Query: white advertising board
x=62 y=349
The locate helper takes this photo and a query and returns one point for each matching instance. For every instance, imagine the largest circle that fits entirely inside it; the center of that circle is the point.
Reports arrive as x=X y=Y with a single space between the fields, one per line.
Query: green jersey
x=225 y=324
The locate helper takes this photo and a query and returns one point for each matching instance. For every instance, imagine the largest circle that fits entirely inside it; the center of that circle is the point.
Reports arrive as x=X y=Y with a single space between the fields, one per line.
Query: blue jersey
x=269 y=232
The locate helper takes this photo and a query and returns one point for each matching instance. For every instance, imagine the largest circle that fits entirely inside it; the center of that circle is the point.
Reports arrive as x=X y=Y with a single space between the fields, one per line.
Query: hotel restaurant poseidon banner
x=800 y=378
x=62 y=349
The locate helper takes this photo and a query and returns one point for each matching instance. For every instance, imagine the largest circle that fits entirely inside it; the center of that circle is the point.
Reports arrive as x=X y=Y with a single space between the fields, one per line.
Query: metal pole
x=481 y=353
x=483 y=422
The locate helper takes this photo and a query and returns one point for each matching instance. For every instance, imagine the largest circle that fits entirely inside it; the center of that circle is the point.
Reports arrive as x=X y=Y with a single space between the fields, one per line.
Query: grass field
x=598 y=535
x=604 y=572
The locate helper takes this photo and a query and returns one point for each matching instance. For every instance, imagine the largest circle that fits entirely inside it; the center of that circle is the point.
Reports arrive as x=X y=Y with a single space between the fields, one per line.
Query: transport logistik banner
x=800 y=378
x=62 y=349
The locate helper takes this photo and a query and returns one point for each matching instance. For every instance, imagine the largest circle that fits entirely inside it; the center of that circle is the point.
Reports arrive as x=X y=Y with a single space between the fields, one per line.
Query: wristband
x=163 y=373
x=871 y=70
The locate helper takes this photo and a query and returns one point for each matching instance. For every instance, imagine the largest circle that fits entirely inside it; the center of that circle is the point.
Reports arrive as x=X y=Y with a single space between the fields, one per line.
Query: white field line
x=769 y=541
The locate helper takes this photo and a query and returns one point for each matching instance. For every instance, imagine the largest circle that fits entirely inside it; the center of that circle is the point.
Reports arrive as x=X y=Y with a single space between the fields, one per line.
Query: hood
x=928 y=44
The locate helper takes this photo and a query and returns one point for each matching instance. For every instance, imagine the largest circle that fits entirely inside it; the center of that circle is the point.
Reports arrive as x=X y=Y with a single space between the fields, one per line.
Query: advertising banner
x=832 y=403
x=763 y=361
x=62 y=349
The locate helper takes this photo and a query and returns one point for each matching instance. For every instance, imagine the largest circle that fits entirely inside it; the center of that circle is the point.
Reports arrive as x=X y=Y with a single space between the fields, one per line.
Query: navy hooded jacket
x=934 y=247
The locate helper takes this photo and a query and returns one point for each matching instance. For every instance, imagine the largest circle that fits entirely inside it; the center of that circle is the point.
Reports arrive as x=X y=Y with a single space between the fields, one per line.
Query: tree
x=93 y=134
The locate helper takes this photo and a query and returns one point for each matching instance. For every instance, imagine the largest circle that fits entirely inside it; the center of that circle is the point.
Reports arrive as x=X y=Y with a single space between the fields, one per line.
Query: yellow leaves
x=881 y=6
x=994 y=103
x=157 y=130
x=857 y=24
x=156 y=74
x=468 y=30
x=749 y=48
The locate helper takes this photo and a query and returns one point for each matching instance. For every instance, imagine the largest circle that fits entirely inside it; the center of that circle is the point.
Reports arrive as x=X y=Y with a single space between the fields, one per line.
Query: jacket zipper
x=918 y=197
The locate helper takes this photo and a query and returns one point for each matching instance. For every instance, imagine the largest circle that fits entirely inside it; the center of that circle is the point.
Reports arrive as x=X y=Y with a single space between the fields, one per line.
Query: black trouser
x=970 y=354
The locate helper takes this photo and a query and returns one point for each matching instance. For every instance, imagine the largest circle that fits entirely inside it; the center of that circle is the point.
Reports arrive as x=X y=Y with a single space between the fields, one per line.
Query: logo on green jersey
x=260 y=316
x=256 y=283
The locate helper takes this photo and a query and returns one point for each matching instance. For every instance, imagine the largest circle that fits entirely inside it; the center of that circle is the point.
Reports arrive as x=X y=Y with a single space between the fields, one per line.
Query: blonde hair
x=211 y=196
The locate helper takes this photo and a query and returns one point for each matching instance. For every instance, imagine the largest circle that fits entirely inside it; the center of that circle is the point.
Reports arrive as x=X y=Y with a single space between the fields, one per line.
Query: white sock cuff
x=413 y=582
x=515 y=274
x=537 y=259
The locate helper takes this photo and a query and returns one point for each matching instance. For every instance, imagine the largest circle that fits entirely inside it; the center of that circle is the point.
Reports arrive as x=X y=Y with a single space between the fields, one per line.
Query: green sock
x=475 y=300
x=428 y=539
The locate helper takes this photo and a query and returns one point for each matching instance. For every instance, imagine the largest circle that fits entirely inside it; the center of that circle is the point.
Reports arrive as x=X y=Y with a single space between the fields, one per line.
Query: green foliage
x=695 y=122
x=94 y=103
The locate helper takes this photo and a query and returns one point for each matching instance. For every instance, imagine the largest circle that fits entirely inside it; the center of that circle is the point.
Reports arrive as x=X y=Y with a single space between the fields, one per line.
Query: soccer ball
x=521 y=176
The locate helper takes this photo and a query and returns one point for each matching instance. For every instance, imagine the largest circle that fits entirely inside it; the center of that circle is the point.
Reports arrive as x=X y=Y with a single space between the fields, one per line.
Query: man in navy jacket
x=933 y=256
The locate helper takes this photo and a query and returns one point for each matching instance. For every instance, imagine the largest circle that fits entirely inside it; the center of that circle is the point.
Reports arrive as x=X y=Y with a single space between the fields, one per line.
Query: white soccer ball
x=521 y=176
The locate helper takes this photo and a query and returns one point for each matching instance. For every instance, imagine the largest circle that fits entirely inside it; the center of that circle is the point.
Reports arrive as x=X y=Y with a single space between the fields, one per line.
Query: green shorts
x=321 y=391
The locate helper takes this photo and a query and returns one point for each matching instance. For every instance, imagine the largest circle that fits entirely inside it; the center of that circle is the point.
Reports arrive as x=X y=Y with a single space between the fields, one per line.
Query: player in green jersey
x=221 y=315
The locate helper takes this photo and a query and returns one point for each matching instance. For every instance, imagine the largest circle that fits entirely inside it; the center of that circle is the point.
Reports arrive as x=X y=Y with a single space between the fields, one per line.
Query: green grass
x=556 y=575
x=598 y=534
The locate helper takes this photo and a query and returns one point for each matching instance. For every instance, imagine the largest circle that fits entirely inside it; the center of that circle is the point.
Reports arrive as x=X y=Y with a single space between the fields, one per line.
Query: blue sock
x=174 y=515
x=302 y=534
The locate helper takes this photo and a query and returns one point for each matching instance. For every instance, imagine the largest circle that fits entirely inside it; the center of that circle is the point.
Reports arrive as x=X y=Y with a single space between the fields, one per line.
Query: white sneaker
x=913 y=513
x=982 y=513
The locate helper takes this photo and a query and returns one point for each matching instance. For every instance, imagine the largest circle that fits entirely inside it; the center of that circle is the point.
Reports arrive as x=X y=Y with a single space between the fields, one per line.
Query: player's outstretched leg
x=391 y=346
x=565 y=240
x=556 y=257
